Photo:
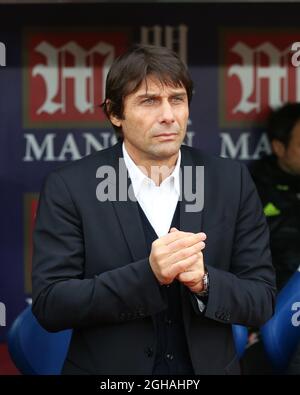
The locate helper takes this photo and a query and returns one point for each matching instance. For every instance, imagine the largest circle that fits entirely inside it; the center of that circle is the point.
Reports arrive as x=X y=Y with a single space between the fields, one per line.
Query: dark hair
x=133 y=67
x=282 y=121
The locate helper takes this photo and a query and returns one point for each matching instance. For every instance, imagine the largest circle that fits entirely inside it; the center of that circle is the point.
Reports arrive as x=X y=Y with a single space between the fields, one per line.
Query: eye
x=149 y=100
x=177 y=99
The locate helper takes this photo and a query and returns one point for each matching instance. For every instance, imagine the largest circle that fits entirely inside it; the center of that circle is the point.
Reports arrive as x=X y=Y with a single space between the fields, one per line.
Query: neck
x=158 y=169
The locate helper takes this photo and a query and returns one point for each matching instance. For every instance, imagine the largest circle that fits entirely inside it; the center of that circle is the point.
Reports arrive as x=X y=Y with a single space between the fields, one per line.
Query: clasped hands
x=178 y=255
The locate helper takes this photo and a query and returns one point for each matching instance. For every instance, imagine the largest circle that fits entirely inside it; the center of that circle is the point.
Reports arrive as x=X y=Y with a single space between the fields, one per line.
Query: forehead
x=152 y=85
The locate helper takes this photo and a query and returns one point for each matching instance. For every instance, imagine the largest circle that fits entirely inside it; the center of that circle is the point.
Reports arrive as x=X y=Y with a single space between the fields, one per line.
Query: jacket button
x=222 y=315
x=169 y=356
x=149 y=351
x=218 y=314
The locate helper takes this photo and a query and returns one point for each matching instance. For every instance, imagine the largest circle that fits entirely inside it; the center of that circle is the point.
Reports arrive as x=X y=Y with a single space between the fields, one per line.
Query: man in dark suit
x=151 y=280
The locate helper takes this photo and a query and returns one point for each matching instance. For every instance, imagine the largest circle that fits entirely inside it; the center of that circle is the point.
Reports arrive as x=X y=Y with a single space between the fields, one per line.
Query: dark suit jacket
x=91 y=271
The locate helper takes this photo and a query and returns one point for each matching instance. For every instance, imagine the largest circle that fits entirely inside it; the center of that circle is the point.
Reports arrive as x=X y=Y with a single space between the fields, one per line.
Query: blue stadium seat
x=281 y=334
x=38 y=352
x=35 y=351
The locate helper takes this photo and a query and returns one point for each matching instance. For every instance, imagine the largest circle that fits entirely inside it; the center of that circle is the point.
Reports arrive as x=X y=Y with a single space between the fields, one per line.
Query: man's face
x=290 y=159
x=155 y=121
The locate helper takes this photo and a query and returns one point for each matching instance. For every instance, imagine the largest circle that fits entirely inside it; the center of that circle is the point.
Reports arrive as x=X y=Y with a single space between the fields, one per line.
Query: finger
x=186 y=252
x=173 y=230
x=185 y=265
x=172 y=236
x=186 y=241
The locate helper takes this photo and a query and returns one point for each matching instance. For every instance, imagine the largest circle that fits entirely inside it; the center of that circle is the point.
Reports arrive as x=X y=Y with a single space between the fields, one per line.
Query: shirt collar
x=138 y=178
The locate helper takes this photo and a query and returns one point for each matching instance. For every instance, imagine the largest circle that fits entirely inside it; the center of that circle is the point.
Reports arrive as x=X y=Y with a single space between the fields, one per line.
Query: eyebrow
x=149 y=94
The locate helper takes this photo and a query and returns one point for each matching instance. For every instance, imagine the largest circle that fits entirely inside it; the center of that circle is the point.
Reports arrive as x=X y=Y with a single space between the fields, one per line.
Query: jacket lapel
x=127 y=211
x=190 y=221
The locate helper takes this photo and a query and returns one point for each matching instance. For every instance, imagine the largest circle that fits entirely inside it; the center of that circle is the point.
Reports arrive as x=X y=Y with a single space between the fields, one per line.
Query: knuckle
x=165 y=274
x=183 y=254
x=195 y=249
x=156 y=252
x=178 y=244
x=154 y=255
x=183 y=243
x=181 y=266
x=167 y=250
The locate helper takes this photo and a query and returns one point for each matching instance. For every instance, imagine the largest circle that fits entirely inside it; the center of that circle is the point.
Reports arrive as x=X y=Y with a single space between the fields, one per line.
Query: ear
x=278 y=148
x=113 y=119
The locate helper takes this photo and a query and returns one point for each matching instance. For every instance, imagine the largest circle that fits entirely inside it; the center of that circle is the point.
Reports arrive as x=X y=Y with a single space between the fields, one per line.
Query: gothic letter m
x=2 y=54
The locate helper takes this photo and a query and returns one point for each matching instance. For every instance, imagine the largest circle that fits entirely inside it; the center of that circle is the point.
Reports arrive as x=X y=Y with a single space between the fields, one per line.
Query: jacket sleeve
x=245 y=294
x=62 y=296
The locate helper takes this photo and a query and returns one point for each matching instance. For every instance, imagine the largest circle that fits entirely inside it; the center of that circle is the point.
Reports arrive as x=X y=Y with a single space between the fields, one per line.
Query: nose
x=167 y=113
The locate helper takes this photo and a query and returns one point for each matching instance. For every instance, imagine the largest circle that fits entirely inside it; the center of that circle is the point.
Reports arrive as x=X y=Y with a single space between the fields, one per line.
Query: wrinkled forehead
x=155 y=85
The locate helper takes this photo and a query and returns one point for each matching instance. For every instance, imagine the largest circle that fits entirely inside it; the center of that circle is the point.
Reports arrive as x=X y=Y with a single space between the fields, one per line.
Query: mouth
x=167 y=136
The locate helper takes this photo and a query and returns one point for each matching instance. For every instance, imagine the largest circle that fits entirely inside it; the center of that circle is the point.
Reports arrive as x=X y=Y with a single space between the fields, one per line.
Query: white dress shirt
x=158 y=202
